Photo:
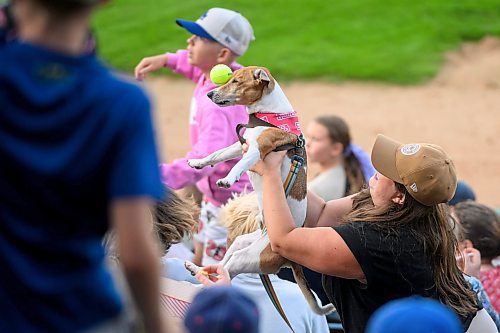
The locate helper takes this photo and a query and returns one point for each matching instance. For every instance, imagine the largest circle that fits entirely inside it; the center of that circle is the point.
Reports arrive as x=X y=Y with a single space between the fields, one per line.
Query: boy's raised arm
x=148 y=65
x=178 y=62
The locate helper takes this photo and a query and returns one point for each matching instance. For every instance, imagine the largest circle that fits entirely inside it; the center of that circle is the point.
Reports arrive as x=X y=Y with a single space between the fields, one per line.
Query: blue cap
x=225 y=26
x=194 y=28
x=463 y=193
x=414 y=315
x=222 y=309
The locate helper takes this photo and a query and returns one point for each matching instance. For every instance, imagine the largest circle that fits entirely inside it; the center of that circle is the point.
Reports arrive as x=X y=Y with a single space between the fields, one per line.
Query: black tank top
x=395 y=266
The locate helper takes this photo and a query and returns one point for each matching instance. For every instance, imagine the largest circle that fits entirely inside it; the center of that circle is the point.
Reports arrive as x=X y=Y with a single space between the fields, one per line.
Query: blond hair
x=239 y=215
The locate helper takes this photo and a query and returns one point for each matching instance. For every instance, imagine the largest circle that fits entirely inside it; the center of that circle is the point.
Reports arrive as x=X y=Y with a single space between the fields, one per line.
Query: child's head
x=174 y=218
x=222 y=309
x=421 y=314
x=239 y=215
x=219 y=37
x=327 y=138
x=463 y=193
x=480 y=228
x=329 y=144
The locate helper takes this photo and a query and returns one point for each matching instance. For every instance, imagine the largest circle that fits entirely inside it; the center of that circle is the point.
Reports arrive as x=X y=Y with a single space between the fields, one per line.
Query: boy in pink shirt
x=219 y=37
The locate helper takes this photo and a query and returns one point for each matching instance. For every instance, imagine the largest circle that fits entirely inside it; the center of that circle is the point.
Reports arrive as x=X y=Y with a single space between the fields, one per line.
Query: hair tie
x=347 y=150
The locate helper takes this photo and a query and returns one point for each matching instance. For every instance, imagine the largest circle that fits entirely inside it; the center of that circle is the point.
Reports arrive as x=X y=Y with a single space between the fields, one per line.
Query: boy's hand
x=149 y=64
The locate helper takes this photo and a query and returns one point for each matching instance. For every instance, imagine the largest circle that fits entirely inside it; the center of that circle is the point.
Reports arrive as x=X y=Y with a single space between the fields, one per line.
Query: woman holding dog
x=386 y=242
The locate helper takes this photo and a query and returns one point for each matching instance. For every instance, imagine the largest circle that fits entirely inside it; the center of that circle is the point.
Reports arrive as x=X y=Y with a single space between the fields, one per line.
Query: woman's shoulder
x=372 y=226
x=370 y=232
x=363 y=232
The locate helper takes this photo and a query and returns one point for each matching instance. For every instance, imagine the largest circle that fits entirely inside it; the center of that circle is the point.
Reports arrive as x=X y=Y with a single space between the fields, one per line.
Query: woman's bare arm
x=321 y=249
x=326 y=214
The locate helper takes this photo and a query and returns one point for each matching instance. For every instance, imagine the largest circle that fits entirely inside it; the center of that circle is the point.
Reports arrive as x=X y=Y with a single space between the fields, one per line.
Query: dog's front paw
x=197 y=163
x=224 y=183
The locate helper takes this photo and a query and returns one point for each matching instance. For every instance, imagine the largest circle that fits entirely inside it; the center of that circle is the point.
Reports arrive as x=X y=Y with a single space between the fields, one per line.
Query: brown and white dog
x=255 y=88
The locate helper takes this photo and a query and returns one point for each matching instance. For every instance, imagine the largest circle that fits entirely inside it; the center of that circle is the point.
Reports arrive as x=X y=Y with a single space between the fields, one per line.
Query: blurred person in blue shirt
x=78 y=156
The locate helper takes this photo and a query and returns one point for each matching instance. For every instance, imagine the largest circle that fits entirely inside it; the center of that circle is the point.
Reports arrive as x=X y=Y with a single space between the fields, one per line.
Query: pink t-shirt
x=210 y=128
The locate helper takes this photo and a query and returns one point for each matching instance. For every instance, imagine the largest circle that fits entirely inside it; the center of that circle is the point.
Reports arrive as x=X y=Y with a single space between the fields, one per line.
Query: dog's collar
x=288 y=122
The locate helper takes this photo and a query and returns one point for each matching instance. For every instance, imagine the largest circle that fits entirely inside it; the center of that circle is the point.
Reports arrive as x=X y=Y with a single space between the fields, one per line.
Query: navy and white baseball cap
x=224 y=26
x=222 y=309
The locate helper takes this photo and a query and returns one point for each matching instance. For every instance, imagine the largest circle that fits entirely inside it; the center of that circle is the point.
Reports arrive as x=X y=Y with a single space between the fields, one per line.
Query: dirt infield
x=458 y=110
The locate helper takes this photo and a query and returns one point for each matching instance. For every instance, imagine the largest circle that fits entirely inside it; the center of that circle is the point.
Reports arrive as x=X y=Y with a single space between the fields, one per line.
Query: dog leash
x=266 y=282
x=297 y=163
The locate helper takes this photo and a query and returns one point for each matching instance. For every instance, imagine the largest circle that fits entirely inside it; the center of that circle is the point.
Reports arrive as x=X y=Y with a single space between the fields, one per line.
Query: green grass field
x=399 y=41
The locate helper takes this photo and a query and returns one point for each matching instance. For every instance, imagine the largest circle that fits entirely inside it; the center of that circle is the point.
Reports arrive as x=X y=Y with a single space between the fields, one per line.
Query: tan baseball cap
x=425 y=170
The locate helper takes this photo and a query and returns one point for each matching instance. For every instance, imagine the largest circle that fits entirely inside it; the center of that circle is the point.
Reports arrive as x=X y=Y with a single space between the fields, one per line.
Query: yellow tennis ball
x=220 y=74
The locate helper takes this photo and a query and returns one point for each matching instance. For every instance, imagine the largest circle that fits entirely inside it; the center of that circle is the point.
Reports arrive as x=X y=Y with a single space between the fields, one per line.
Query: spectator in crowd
x=222 y=309
x=343 y=166
x=480 y=230
x=219 y=36
x=390 y=241
x=469 y=260
x=414 y=315
x=463 y=193
x=78 y=156
x=239 y=215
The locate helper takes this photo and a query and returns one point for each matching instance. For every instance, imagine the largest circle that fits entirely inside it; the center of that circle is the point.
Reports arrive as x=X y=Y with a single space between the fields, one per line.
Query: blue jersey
x=72 y=138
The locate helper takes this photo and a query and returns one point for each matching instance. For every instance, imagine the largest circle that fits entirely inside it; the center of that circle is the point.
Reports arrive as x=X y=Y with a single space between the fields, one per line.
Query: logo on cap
x=414 y=187
x=410 y=149
x=203 y=15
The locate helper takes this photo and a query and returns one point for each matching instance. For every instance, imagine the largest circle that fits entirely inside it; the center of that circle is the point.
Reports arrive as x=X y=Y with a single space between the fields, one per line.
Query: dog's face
x=247 y=86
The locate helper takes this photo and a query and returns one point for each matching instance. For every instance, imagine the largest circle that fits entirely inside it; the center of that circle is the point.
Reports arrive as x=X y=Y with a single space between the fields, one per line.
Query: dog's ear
x=261 y=74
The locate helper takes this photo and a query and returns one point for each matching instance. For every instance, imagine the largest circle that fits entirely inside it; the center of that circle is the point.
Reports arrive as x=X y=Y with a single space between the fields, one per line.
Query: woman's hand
x=271 y=162
x=213 y=275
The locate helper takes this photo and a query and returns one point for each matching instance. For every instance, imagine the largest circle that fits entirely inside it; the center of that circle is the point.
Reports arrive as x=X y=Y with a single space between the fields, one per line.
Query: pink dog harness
x=288 y=122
